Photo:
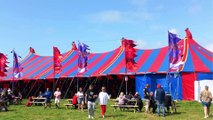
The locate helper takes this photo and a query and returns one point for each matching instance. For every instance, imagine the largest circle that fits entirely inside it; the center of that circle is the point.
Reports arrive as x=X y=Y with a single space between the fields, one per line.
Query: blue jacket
x=47 y=95
x=160 y=95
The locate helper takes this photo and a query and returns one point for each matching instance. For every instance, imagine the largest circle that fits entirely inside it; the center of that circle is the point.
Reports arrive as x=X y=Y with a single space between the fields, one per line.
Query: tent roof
x=198 y=59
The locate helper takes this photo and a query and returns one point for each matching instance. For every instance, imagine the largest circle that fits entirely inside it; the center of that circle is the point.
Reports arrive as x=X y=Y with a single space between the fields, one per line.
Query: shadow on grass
x=116 y=115
x=173 y=114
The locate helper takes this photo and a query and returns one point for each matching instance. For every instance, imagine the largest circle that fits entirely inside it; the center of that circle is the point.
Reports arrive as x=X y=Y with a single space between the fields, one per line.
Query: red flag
x=57 y=58
x=74 y=46
x=32 y=50
x=130 y=53
x=188 y=33
x=3 y=65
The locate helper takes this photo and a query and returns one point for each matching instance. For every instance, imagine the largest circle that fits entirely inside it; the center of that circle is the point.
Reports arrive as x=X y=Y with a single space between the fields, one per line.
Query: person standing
x=91 y=97
x=57 y=95
x=146 y=97
x=80 y=96
x=152 y=102
x=206 y=98
x=47 y=95
x=137 y=97
x=160 y=98
x=103 y=99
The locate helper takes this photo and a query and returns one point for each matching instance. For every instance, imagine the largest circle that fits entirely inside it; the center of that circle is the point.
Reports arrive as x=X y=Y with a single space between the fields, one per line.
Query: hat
x=158 y=86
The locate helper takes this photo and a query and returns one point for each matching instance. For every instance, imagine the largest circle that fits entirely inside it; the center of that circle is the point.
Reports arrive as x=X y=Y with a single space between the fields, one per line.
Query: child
x=103 y=99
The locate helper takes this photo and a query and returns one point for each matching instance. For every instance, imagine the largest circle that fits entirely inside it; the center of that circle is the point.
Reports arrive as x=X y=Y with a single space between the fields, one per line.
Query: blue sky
x=101 y=24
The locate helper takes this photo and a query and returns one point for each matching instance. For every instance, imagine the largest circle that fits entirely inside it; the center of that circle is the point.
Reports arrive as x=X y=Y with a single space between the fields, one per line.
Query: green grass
x=185 y=111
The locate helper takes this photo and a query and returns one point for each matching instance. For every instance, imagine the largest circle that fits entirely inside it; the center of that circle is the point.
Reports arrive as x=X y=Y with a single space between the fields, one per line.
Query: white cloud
x=209 y=47
x=138 y=2
x=141 y=44
x=107 y=16
x=114 y=16
x=156 y=27
x=194 y=9
x=174 y=31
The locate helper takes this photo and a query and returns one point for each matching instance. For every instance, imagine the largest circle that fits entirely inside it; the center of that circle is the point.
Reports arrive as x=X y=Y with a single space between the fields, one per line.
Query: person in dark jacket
x=160 y=98
x=137 y=97
x=146 y=97
x=152 y=102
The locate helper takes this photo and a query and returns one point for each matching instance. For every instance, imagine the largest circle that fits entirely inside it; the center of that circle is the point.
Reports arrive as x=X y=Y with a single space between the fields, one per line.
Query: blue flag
x=174 y=52
x=82 y=57
x=16 y=66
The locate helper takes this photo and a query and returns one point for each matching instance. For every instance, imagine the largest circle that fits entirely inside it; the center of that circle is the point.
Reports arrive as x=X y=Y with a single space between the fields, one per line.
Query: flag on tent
x=3 y=65
x=32 y=50
x=74 y=46
x=82 y=57
x=57 y=58
x=130 y=53
x=188 y=33
x=175 y=53
x=16 y=66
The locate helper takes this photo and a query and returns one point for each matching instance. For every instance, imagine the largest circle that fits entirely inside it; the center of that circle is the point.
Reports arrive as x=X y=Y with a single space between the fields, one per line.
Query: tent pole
x=31 y=88
x=38 y=88
x=55 y=84
x=77 y=83
x=120 y=88
x=63 y=84
x=69 y=87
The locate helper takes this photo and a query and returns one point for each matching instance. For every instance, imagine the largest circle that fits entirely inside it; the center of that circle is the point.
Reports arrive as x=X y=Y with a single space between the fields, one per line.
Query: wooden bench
x=123 y=107
x=67 y=105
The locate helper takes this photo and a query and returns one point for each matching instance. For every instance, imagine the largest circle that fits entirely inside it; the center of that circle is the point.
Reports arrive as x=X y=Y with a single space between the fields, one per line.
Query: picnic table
x=69 y=103
x=130 y=104
x=38 y=100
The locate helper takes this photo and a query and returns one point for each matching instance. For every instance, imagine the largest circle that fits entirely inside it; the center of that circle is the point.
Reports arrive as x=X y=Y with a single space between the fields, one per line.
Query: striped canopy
x=197 y=59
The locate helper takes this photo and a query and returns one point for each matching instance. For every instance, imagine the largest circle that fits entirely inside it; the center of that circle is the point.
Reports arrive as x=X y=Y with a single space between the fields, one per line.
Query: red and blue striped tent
x=152 y=64
x=198 y=59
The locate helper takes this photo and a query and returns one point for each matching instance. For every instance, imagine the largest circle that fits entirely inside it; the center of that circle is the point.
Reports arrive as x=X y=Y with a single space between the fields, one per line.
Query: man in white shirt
x=103 y=99
x=57 y=95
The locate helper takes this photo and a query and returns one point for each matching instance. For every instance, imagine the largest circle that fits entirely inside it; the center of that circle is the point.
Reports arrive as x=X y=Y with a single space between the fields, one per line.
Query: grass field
x=185 y=111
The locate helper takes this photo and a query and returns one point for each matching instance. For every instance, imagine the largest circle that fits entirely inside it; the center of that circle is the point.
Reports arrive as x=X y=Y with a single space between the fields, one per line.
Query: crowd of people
x=154 y=100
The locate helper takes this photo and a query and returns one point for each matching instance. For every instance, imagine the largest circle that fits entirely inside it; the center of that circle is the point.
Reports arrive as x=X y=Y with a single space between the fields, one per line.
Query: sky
x=101 y=24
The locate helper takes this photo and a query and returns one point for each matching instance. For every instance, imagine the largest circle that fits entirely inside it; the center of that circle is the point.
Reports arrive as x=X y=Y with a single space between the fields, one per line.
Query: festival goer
x=137 y=97
x=103 y=99
x=206 y=98
x=153 y=104
x=75 y=101
x=160 y=98
x=146 y=97
x=121 y=99
x=80 y=95
x=91 y=97
x=57 y=95
x=40 y=95
x=129 y=96
x=47 y=95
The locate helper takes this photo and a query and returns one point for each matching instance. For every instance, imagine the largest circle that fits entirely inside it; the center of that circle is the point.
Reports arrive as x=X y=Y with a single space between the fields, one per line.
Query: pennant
x=57 y=58
x=82 y=57
x=175 y=56
x=16 y=66
x=188 y=33
x=74 y=46
x=32 y=50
